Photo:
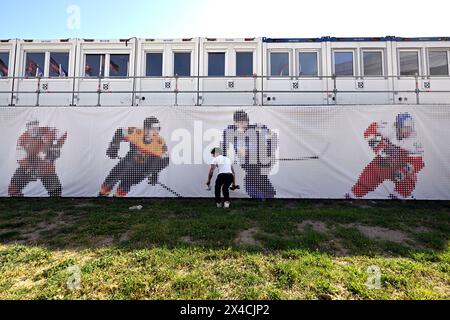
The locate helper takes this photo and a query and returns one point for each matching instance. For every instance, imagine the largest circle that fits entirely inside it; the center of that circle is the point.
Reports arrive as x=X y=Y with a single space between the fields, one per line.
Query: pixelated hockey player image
x=254 y=147
x=38 y=149
x=146 y=158
x=399 y=158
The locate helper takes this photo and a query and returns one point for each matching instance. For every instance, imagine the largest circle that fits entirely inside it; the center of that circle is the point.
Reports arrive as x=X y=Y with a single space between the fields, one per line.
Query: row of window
x=372 y=63
x=56 y=64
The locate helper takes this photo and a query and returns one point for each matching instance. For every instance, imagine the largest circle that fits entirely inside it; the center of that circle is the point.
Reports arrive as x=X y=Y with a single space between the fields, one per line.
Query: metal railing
x=259 y=87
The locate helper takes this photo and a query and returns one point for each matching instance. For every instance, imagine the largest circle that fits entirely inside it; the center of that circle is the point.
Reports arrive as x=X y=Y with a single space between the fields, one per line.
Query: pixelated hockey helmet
x=32 y=123
x=404 y=120
x=151 y=122
x=241 y=115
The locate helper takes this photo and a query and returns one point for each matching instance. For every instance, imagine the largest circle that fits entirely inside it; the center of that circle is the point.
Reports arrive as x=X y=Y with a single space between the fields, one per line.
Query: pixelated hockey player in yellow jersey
x=145 y=160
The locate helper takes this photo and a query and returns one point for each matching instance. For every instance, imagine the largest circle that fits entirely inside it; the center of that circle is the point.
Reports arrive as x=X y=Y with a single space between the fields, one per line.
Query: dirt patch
x=126 y=236
x=247 y=238
x=339 y=249
x=378 y=233
x=33 y=235
x=421 y=230
x=317 y=226
x=25 y=283
x=187 y=239
x=84 y=205
x=104 y=241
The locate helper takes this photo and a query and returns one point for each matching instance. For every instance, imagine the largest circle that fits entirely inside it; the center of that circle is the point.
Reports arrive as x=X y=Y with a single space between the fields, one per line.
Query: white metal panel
x=235 y=90
x=6 y=83
x=114 y=90
x=53 y=91
x=296 y=90
x=293 y=89
x=156 y=91
x=360 y=88
x=428 y=85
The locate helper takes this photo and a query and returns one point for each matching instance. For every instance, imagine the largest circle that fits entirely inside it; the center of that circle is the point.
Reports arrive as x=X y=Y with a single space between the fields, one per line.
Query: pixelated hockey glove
x=53 y=153
x=403 y=173
x=113 y=151
x=375 y=140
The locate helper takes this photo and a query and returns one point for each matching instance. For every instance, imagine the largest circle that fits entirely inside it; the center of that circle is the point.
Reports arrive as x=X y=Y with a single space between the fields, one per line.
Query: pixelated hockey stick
x=316 y=157
x=170 y=190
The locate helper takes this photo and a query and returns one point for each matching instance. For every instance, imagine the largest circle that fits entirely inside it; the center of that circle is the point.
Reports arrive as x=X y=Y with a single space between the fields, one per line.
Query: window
x=216 y=64
x=409 y=63
x=154 y=64
x=119 y=65
x=244 y=64
x=182 y=64
x=279 y=64
x=307 y=62
x=373 y=63
x=95 y=65
x=343 y=63
x=438 y=63
x=34 y=64
x=4 y=63
x=59 y=64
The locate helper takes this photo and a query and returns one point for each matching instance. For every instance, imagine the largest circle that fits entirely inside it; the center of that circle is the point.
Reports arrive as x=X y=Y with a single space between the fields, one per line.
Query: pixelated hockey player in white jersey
x=399 y=158
x=253 y=146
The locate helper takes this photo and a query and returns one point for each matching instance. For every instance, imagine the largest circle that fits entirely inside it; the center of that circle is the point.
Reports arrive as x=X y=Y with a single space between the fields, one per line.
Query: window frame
x=354 y=65
x=146 y=62
x=447 y=50
x=383 y=62
x=253 y=52
x=419 y=61
x=318 y=59
x=47 y=53
x=68 y=63
x=8 y=66
x=225 y=66
x=24 y=63
x=107 y=64
x=108 y=59
x=84 y=65
x=269 y=62
x=190 y=61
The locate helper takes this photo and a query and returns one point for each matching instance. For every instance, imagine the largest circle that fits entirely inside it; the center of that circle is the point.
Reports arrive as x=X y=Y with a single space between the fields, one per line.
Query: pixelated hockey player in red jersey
x=399 y=158
x=38 y=149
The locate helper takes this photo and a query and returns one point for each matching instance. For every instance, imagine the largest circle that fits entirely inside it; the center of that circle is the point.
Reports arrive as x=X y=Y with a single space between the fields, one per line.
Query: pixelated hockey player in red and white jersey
x=38 y=149
x=399 y=158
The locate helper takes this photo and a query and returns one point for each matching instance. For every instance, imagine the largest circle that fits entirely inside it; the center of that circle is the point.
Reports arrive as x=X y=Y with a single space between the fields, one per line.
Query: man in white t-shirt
x=225 y=178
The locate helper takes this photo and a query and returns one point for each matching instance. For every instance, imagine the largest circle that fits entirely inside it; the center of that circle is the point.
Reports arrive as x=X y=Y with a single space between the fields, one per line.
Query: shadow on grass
x=335 y=227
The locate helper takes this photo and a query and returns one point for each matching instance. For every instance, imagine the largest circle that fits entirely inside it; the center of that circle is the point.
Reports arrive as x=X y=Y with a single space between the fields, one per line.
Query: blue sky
x=47 y=19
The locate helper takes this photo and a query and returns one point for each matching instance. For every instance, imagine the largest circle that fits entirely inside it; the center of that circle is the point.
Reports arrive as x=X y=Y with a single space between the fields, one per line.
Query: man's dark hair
x=241 y=115
x=150 y=122
x=216 y=150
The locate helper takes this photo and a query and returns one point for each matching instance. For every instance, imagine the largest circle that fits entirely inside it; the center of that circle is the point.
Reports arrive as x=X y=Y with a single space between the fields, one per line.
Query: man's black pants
x=223 y=183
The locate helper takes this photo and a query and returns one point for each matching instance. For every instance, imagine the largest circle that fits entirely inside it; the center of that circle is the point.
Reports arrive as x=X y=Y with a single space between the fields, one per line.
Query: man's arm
x=210 y=174
x=234 y=177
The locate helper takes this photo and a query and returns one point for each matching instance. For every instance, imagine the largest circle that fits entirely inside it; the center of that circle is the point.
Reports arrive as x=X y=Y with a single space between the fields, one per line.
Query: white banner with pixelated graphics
x=373 y=152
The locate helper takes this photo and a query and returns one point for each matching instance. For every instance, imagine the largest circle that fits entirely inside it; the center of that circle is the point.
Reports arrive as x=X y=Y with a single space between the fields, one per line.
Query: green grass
x=188 y=249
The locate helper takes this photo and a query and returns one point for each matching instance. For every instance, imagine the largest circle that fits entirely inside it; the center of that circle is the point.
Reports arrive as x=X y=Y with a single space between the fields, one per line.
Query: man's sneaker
x=226 y=205
x=219 y=205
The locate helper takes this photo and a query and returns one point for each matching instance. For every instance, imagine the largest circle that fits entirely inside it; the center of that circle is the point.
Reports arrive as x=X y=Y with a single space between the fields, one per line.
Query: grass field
x=188 y=249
